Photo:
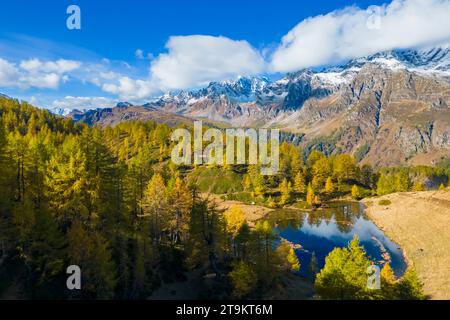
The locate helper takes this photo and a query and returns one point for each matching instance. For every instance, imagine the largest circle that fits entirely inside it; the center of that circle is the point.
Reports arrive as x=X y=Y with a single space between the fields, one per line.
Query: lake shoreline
x=417 y=222
x=408 y=261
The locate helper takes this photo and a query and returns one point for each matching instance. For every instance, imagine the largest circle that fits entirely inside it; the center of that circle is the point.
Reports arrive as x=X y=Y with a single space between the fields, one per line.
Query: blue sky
x=134 y=50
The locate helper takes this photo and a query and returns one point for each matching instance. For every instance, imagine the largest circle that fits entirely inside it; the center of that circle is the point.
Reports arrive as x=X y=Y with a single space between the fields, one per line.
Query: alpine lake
x=334 y=225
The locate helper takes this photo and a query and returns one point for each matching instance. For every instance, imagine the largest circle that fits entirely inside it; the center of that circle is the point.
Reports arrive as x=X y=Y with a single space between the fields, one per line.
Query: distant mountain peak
x=430 y=61
x=123 y=104
x=61 y=111
x=392 y=103
x=248 y=100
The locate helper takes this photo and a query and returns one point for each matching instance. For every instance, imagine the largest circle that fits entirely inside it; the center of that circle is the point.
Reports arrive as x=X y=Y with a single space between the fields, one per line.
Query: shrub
x=302 y=205
x=384 y=202
x=361 y=152
x=216 y=180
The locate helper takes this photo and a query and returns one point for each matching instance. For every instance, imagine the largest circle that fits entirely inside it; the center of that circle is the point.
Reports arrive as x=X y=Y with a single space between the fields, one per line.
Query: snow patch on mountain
x=61 y=111
x=294 y=88
x=435 y=61
x=290 y=92
x=332 y=78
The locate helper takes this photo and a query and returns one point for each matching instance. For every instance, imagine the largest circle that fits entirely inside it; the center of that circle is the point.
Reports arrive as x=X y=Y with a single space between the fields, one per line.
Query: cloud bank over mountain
x=194 y=60
x=353 y=32
x=82 y=103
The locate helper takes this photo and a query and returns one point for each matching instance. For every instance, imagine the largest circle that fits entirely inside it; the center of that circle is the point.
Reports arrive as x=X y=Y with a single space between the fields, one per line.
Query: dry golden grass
x=252 y=212
x=420 y=223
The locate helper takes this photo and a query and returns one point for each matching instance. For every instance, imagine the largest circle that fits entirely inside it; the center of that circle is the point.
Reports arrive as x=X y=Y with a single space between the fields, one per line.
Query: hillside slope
x=418 y=222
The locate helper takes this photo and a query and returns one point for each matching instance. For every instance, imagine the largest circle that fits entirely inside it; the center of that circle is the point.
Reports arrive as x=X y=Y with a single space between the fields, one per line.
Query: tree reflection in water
x=333 y=225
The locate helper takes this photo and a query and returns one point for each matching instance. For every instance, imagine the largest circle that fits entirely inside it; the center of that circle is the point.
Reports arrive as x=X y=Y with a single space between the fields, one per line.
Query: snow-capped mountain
x=123 y=104
x=79 y=111
x=61 y=111
x=394 y=103
x=435 y=61
x=241 y=90
x=291 y=91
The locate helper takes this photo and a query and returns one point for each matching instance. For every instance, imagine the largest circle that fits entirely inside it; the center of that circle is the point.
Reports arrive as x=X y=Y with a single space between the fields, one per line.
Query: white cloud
x=35 y=73
x=139 y=54
x=8 y=73
x=191 y=61
x=353 y=32
x=100 y=77
x=117 y=78
x=196 y=60
x=59 y=66
x=71 y=102
x=48 y=80
x=130 y=89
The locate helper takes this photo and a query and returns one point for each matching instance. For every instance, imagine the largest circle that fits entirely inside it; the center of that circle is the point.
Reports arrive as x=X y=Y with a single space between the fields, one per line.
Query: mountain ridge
x=389 y=108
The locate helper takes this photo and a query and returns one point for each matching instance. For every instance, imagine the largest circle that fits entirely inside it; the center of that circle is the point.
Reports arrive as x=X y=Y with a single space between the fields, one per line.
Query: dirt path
x=420 y=223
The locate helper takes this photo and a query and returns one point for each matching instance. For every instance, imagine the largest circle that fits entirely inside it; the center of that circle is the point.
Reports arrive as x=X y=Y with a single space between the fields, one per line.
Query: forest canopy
x=111 y=201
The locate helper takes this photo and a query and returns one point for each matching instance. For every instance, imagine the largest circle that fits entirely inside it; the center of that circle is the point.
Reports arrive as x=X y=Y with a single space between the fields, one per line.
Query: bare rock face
x=413 y=140
x=397 y=114
x=440 y=137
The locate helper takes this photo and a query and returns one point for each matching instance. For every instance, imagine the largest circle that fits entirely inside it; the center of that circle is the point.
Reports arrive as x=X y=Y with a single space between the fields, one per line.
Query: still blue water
x=323 y=230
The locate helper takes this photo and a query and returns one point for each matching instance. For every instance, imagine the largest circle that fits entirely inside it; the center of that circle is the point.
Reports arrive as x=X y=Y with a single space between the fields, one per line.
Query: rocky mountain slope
x=124 y=111
x=386 y=109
